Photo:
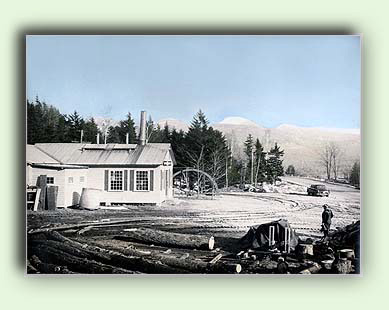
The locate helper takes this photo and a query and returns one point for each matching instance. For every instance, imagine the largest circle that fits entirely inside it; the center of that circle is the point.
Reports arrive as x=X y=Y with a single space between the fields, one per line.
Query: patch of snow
x=236 y=120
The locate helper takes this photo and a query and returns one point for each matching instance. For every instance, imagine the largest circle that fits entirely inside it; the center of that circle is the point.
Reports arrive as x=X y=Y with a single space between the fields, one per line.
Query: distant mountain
x=173 y=123
x=239 y=121
x=103 y=123
x=302 y=145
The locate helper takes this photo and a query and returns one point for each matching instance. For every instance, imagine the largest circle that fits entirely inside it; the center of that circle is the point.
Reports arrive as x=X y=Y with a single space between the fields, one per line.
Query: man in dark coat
x=326 y=217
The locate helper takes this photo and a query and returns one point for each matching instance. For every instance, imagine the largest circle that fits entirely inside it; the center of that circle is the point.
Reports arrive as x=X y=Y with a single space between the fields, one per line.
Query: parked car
x=318 y=190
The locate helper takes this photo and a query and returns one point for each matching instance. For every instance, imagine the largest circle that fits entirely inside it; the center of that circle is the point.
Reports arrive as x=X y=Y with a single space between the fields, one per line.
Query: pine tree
x=113 y=134
x=274 y=168
x=248 y=150
x=355 y=174
x=260 y=162
x=127 y=127
x=90 y=131
x=76 y=124
x=290 y=170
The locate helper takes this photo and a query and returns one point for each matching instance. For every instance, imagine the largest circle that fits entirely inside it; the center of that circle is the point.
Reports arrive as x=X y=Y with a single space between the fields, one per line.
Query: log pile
x=52 y=252
x=347 y=236
x=117 y=247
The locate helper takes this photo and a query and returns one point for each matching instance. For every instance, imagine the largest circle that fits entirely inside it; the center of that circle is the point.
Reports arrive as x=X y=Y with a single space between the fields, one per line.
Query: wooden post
x=287 y=240
x=42 y=184
x=37 y=196
x=271 y=236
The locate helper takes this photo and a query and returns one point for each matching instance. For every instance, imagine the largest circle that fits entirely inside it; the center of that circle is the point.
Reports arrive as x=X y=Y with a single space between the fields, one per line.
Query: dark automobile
x=318 y=190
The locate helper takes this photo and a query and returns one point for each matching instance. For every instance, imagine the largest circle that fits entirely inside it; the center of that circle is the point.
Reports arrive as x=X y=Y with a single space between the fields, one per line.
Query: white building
x=125 y=173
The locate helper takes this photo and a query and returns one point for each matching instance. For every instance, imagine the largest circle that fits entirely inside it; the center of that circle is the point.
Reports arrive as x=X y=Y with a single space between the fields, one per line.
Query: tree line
x=201 y=147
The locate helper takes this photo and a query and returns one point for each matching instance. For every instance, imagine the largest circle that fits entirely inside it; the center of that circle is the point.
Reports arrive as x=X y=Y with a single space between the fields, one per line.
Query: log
x=315 y=268
x=48 y=268
x=343 y=266
x=190 y=264
x=52 y=255
x=346 y=253
x=159 y=237
x=216 y=259
x=30 y=268
x=77 y=226
x=108 y=256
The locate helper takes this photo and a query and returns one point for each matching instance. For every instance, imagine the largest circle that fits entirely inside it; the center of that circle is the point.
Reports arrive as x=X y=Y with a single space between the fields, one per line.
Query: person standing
x=326 y=217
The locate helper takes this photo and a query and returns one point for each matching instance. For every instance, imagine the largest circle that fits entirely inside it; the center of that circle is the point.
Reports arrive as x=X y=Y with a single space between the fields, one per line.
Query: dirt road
x=229 y=214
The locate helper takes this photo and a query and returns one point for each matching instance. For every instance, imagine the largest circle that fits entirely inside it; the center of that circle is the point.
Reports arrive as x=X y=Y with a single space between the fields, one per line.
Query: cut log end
x=211 y=243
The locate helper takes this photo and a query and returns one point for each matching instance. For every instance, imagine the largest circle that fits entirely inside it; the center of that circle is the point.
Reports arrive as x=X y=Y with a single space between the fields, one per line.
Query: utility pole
x=82 y=135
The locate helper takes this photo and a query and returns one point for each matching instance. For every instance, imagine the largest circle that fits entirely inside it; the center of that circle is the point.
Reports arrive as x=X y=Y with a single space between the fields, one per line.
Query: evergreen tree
x=166 y=136
x=248 y=150
x=290 y=170
x=355 y=174
x=76 y=124
x=90 y=131
x=127 y=126
x=274 y=168
x=260 y=162
x=177 y=140
x=113 y=135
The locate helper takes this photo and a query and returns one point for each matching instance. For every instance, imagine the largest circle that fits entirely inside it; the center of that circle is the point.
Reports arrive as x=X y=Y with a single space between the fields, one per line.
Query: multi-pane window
x=50 y=180
x=142 y=180
x=116 y=180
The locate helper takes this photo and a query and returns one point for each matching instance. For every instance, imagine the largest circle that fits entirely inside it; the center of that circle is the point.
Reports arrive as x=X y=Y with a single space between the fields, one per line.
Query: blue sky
x=311 y=81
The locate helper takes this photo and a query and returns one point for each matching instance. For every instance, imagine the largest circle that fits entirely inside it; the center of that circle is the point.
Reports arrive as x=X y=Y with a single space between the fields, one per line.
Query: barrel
x=90 y=198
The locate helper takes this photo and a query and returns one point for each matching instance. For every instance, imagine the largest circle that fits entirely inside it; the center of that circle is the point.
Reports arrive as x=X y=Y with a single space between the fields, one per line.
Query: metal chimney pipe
x=142 y=128
x=127 y=138
x=98 y=138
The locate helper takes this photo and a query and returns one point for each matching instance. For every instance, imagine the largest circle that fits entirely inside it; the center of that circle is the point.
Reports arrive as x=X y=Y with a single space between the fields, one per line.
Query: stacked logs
x=51 y=252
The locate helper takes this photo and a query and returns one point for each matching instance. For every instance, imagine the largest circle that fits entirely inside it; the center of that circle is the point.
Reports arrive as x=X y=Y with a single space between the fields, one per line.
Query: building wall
x=97 y=180
x=33 y=174
x=75 y=180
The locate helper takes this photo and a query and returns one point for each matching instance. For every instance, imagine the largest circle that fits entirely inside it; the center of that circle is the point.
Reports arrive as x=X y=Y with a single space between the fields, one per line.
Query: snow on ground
x=237 y=211
x=229 y=214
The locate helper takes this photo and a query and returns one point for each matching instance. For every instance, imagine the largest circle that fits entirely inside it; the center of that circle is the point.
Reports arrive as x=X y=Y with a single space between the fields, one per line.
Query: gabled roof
x=106 y=154
x=36 y=156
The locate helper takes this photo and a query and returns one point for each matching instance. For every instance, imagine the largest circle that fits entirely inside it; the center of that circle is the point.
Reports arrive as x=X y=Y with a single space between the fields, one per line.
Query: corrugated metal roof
x=36 y=156
x=106 y=154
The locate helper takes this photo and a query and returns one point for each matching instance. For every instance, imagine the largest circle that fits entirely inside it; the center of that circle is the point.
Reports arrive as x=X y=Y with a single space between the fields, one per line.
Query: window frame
x=148 y=180
x=109 y=180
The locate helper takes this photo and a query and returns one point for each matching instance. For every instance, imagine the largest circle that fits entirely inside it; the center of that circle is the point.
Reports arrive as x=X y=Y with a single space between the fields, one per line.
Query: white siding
x=73 y=190
x=96 y=180
x=59 y=180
